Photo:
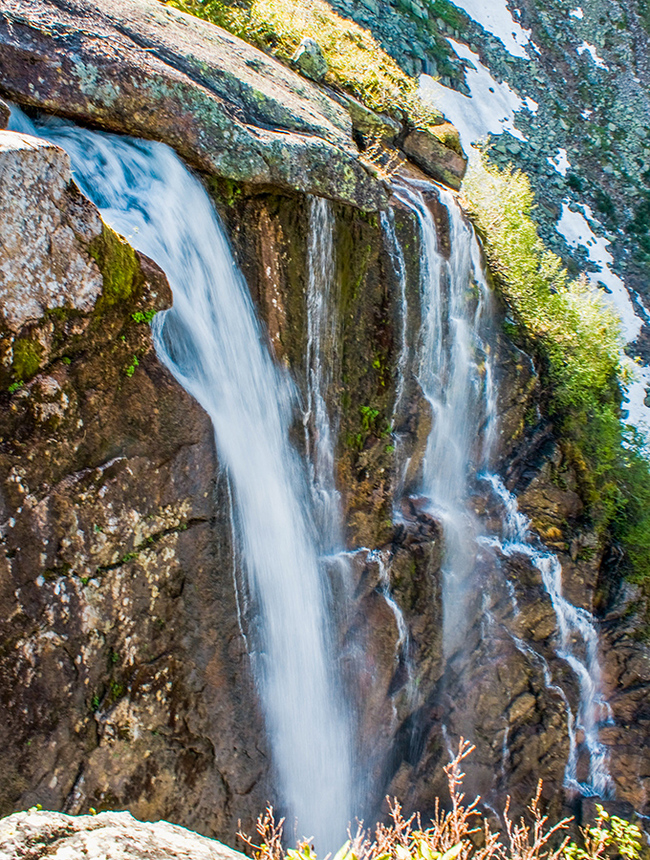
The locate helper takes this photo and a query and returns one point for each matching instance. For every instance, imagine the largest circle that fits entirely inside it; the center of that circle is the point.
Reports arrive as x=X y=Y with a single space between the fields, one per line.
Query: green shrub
x=576 y=338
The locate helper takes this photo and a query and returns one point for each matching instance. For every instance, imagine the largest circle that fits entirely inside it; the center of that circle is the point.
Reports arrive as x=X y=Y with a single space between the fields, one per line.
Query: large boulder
x=109 y=835
x=46 y=229
x=437 y=151
x=139 y=67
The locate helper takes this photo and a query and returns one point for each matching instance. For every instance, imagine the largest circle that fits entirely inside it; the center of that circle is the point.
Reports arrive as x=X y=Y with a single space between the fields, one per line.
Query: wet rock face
x=114 y=541
x=110 y=835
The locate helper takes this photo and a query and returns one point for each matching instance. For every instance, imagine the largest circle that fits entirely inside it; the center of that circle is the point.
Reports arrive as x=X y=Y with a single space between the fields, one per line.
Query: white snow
x=586 y=47
x=489 y=110
x=561 y=163
x=531 y=104
x=586 y=113
x=577 y=13
x=495 y=17
x=577 y=232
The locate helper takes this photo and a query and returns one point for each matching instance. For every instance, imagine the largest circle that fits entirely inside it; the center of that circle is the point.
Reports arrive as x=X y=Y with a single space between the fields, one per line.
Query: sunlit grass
x=576 y=336
x=357 y=63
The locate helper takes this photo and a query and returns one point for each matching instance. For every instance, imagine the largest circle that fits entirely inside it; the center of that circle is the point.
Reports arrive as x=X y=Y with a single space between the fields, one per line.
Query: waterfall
x=321 y=340
x=457 y=377
x=213 y=344
x=577 y=645
x=457 y=381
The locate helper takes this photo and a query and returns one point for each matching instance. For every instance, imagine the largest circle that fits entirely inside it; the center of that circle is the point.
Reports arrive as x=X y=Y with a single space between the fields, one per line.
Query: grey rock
x=154 y=72
x=310 y=60
x=109 y=836
x=43 y=258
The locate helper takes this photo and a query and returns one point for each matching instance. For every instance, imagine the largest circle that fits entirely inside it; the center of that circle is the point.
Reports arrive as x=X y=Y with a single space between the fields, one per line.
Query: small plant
x=461 y=833
x=131 y=368
x=15 y=386
x=368 y=417
x=143 y=316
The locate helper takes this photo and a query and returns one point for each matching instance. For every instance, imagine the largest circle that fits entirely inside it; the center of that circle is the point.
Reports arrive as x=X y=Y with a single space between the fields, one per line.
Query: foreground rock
x=112 y=533
x=109 y=836
x=139 y=67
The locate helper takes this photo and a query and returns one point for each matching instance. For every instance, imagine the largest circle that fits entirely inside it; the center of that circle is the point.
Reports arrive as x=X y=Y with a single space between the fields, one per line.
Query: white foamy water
x=577 y=645
x=456 y=379
x=213 y=344
x=322 y=307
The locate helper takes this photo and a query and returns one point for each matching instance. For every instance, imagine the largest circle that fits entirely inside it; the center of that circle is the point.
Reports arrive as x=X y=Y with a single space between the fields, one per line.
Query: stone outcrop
x=47 y=228
x=432 y=154
x=139 y=67
x=109 y=836
x=114 y=537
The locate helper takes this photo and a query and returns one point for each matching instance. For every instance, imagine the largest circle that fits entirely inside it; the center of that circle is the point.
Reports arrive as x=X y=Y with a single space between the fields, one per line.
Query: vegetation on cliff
x=463 y=833
x=575 y=335
x=357 y=64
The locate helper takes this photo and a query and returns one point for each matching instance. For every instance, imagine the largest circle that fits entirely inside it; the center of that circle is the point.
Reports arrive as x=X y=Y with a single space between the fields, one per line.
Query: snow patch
x=586 y=47
x=495 y=17
x=577 y=13
x=577 y=233
x=561 y=163
x=490 y=109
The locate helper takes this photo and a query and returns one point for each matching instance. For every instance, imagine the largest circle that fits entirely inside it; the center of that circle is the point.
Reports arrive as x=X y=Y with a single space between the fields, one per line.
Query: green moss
x=119 y=266
x=27 y=358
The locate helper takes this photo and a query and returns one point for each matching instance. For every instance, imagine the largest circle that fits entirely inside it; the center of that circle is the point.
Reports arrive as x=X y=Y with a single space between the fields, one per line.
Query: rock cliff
x=124 y=674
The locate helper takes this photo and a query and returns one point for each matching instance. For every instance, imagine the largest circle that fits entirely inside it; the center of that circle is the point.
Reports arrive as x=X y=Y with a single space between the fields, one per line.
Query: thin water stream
x=457 y=376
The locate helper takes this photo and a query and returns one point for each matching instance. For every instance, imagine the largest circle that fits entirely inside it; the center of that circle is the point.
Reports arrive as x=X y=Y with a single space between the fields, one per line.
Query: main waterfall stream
x=212 y=342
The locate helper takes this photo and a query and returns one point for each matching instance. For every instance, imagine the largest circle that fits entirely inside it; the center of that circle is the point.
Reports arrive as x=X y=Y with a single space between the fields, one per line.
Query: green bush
x=575 y=336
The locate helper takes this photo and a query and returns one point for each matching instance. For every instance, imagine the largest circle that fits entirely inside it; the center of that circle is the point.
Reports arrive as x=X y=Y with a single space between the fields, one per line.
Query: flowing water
x=457 y=377
x=457 y=380
x=286 y=518
x=322 y=309
x=212 y=342
x=577 y=644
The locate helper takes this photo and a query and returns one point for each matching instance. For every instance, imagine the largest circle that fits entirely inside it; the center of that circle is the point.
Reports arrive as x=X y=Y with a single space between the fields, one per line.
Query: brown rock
x=435 y=157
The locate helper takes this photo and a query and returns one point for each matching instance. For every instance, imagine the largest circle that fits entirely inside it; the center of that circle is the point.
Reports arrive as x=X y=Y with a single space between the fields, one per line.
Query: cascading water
x=211 y=341
x=456 y=379
x=321 y=340
x=577 y=645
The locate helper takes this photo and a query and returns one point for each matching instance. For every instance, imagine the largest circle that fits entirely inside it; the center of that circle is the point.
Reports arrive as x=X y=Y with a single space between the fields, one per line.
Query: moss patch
x=119 y=266
x=28 y=354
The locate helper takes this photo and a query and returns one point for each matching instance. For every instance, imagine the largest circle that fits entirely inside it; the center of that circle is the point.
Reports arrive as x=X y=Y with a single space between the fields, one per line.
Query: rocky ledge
x=138 y=67
x=109 y=836
x=141 y=68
